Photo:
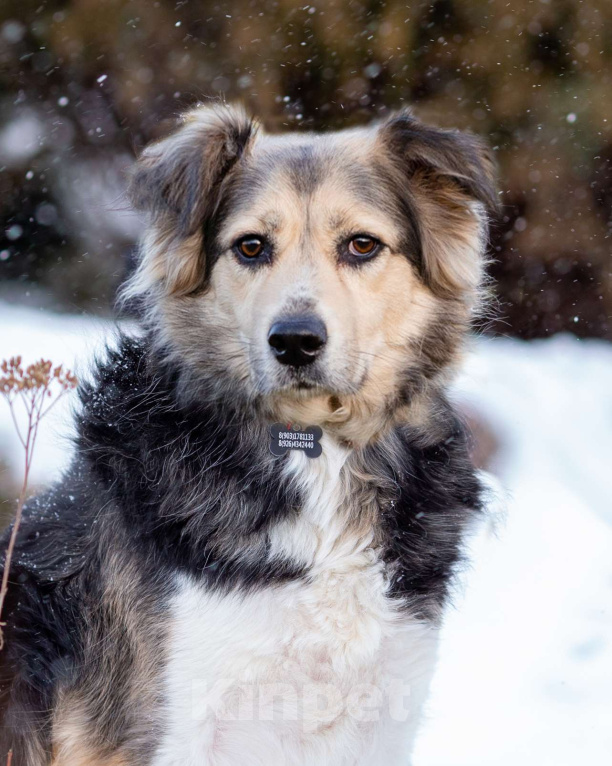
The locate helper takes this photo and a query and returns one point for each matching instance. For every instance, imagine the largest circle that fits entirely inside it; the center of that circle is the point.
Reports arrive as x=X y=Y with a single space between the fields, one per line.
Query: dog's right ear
x=176 y=177
x=177 y=181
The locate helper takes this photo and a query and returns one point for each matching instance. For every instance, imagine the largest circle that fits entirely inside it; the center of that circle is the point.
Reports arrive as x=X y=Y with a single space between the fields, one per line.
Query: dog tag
x=283 y=438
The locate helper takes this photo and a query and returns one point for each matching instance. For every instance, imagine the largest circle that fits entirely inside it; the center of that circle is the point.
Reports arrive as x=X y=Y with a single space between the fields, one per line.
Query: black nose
x=298 y=340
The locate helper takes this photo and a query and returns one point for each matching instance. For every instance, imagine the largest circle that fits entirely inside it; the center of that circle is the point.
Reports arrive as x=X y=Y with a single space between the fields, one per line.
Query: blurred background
x=526 y=666
x=84 y=84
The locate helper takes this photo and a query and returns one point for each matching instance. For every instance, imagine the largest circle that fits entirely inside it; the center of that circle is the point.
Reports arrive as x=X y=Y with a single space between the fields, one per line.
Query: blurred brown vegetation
x=88 y=82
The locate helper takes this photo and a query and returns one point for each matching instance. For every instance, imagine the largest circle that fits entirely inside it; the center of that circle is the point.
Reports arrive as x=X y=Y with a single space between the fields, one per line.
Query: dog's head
x=322 y=278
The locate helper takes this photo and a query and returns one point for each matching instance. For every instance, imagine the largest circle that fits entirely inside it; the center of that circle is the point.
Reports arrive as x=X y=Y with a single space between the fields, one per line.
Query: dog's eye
x=250 y=247
x=361 y=246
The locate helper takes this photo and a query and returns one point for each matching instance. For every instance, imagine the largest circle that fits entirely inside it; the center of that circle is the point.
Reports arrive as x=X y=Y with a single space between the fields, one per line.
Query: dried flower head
x=37 y=376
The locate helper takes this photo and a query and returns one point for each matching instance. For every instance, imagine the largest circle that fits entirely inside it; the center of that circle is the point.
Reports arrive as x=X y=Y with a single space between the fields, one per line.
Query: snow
x=21 y=139
x=63 y=339
x=525 y=667
x=526 y=664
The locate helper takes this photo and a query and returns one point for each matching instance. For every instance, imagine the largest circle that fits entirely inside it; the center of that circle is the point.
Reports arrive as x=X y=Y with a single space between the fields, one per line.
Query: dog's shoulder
x=118 y=401
x=439 y=494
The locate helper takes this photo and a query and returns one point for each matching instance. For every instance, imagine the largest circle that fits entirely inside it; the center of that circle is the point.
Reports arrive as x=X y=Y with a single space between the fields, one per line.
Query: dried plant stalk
x=37 y=388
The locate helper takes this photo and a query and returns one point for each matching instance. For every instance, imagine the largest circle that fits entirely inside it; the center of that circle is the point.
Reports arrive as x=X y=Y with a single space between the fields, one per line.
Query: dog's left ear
x=448 y=180
x=177 y=181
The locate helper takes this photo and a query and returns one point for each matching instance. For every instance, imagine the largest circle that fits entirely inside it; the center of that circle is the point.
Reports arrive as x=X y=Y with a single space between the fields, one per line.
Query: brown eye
x=250 y=247
x=363 y=245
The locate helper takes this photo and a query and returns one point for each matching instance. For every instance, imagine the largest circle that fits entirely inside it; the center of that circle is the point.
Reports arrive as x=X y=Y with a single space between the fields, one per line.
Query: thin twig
x=11 y=546
x=17 y=429
x=32 y=386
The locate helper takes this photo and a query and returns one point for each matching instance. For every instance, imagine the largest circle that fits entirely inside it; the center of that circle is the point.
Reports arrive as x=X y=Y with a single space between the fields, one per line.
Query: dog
x=249 y=557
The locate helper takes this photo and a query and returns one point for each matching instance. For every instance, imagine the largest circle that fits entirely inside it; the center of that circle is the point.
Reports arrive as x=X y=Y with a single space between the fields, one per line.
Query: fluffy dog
x=199 y=589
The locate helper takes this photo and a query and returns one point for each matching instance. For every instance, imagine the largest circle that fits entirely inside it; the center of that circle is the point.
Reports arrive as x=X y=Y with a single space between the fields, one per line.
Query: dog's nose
x=298 y=340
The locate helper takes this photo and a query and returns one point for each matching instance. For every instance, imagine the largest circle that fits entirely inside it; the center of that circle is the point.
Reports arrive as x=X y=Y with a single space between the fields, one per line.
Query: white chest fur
x=324 y=672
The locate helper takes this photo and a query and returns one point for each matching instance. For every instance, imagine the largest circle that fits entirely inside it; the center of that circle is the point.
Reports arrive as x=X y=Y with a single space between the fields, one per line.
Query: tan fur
x=78 y=714
x=377 y=316
x=453 y=234
x=374 y=311
x=75 y=754
x=72 y=733
x=175 y=264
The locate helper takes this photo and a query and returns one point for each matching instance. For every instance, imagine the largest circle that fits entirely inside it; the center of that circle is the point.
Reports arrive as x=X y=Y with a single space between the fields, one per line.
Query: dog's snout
x=297 y=341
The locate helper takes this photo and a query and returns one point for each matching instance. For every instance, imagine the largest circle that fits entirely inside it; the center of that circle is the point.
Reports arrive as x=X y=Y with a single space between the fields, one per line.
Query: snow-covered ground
x=525 y=674
x=63 y=339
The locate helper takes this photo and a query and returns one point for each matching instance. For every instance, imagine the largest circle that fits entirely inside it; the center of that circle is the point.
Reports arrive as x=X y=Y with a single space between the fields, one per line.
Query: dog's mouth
x=300 y=387
x=308 y=381
x=290 y=380
x=300 y=384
